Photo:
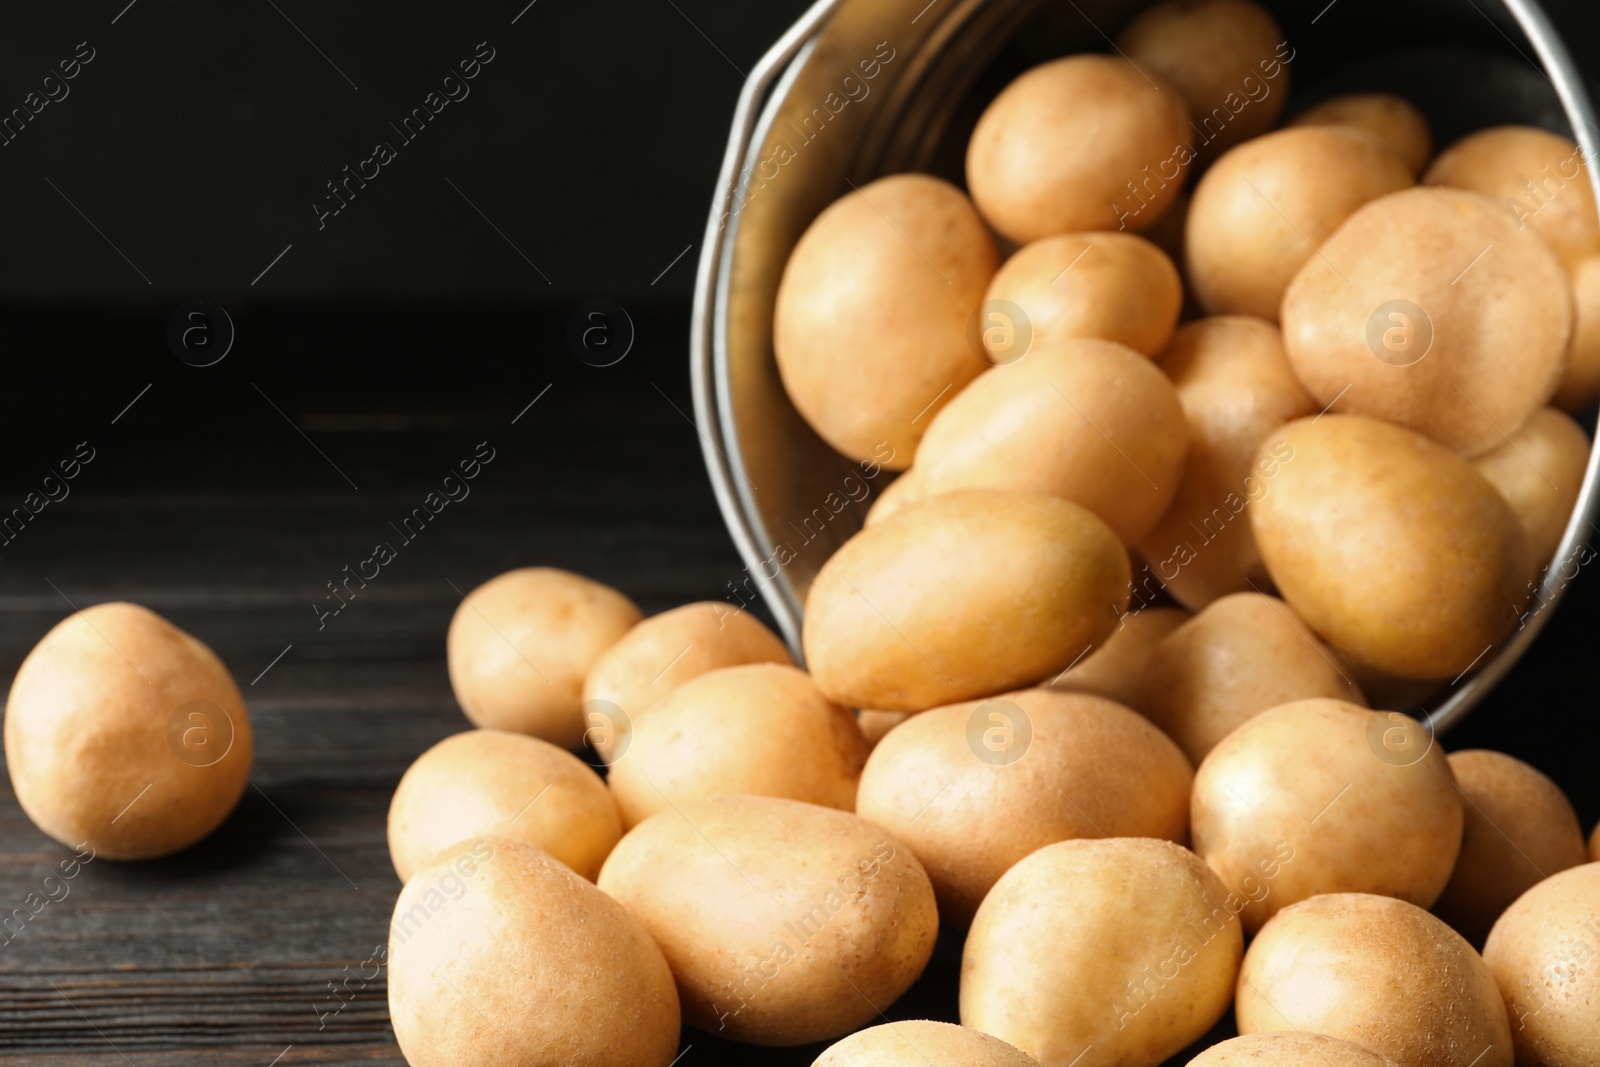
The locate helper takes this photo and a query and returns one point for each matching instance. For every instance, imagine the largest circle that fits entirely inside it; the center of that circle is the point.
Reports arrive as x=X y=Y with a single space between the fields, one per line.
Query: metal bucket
x=858 y=89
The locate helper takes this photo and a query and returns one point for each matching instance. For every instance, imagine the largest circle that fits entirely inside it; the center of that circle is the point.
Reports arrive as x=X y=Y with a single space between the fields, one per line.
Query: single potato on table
x=1116 y=669
x=1392 y=121
x=1539 y=471
x=920 y=1043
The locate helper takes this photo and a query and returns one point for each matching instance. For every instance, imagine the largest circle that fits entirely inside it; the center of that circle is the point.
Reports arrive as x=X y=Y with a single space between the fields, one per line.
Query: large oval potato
x=870 y=327
x=1431 y=309
x=1392 y=121
x=1089 y=421
x=1114 y=952
x=1580 y=381
x=961 y=596
x=1285 y=1048
x=1539 y=471
x=1400 y=554
x=783 y=922
x=1320 y=796
x=972 y=788
x=920 y=1043
x=1116 y=669
x=1379 y=972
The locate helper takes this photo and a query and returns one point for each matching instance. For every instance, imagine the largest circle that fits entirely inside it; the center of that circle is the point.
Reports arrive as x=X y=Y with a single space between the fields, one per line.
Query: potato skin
x=921 y=1043
x=89 y=735
x=552 y=969
x=1116 y=668
x=1539 y=471
x=1379 y=972
x=872 y=314
x=1391 y=121
x=1091 y=768
x=1580 y=380
x=1069 y=954
x=894 y=497
x=1400 y=554
x=783 y=922
x=960 y=596
x=1284 y=1048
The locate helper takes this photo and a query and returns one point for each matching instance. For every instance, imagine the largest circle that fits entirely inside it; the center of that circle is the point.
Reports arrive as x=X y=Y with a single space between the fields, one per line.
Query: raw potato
x=125 y=735
x=1242 y=655
x=961 y=596
x=1057 y=150
x=1541 y=953
x=875 y=725
x=1539 y=471
x=1235 y=386
x=1227 y=58
x=1431 y=309
x=920 y=1043
x=1116 y=669
x=1580 y=381
x=1391 y=121
x=521 y=644
x=1320 y=796
x=894 y=498
x=1400 y=554
x=873 y=312
x=1520 y=830
x=1378 y=972
x=973 y=788
x=759 y=730
x=491 y=782
x=1262 y=211
x=1114 y=286
x=1102 y=953
x=1087 y=420
x=783 y=922
x=500 y=956
x=1282 y=1048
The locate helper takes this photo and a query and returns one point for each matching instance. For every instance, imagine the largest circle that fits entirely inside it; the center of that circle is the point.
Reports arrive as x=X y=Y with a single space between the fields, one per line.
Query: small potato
x=1580 y=381
x=1262 y=210
x=893 y=497
x=1539 y=471
x=500 y=956
x=125 y=737
x=1235 y=386
x=961 y=596
x=758 y=730
x=1240 y=656
x=1391 y=121
x=873 y=311
x=1541 y=953
x=1228 y=58
x=1114 y=286
x=1284 y=1048
x=973 y=788
x=1089 y=421
x=1540 y=178
x=491 y=782
x=1115 y=952
x=1520 y=830
x=521 y=644
x=1320 y=796
x=783 y=922
x=875 y=725
x=1379 y=972
x=1116 y=669
x=1430 y=308
x=919 y=1043
x=1087 y=142
x=1396 y=551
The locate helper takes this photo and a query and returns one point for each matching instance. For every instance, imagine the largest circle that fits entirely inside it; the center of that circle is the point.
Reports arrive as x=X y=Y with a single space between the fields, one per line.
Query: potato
x=1540 y=178
x=1240 y=656
x=783 y=922
x=1320 y=796
x=894 y=497
x=1580 y=380
x=501 y=956
x=1520 y=830
x=1087 y=142
x=972 y=788
x=1400 y=554
x=1235 y=385
x=1089 y=421
x=1114 y=286
x=1114 y=952
x=919 y=1043
x=1392 y=121
x=759 y=730
x=1228 y=58
x=521 y=644
x=870 y=327
x=491 y=782
x=126 y=736
x=1539 y=471
x=961 y=596
x=1262 y=211
x=1429 y=308
x=1283 y=1048
x=875 y=725
x=1116 y=669
x=1378 y=972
